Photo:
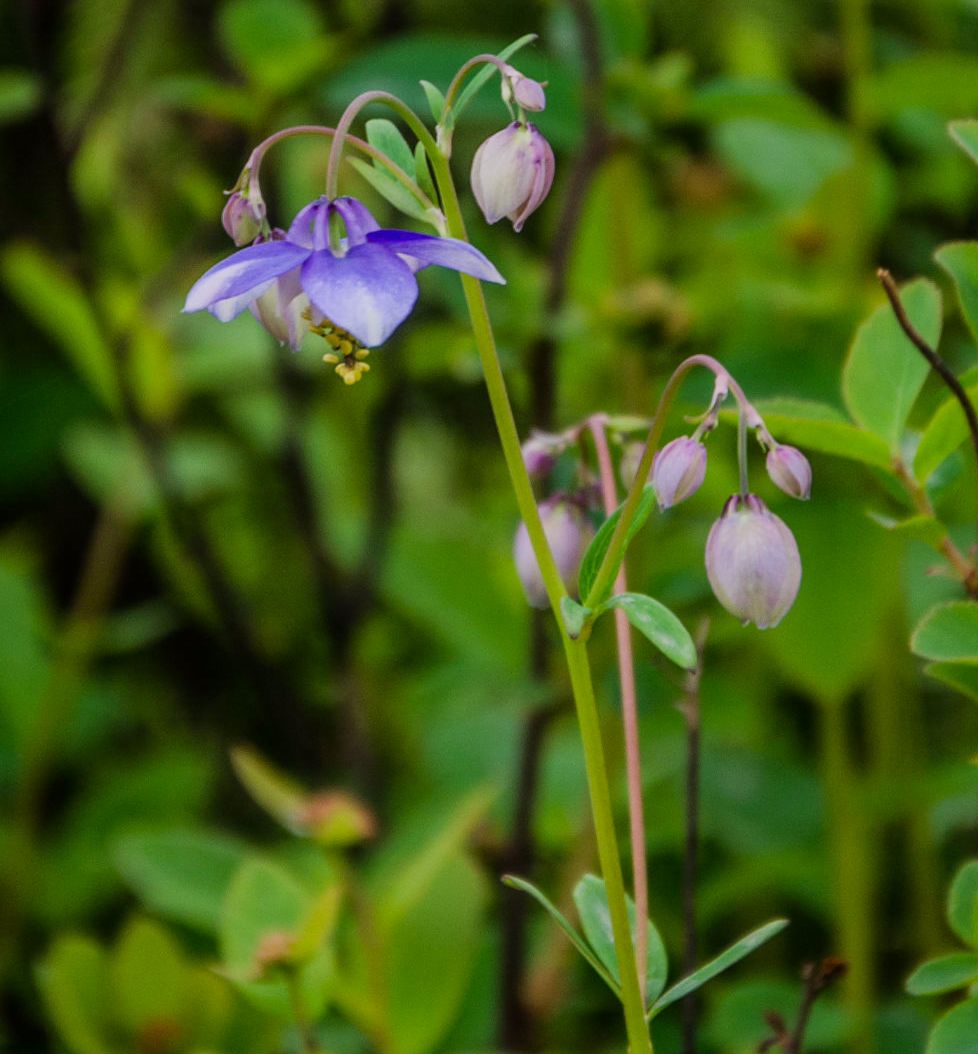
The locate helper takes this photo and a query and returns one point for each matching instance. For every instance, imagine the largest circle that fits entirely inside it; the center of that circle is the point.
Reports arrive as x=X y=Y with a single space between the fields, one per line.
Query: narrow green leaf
x=422 y=173
x=944 y=974
x=592 y=905
x=945 y=432
x=816 y=426
x=59 y=306
x=575 y=615
x=960 y=260
x=600 y=542
x=965 y=134
x=884 y=372
x=956 y=1031
x=962 y=903
x=436 y=101
x=948 y=633
x=390 y=189
x=659 y=625
x=722 y=962
x=387 y=138
x=477 y=80
x=575 y=938
x=279 y=795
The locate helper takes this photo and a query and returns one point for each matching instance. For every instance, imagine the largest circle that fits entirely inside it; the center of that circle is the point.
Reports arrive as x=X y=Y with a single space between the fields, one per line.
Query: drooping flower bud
x=678 y=470
x=568 y=533
x=540 y=452
x=790 y=470
x=512 y=173
x=527 y=93
x=241 y=219
x=752 y=562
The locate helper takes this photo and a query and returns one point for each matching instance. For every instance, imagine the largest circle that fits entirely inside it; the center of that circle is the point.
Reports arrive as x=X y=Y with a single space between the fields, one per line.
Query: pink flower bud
x=512 y=173
x=540 y=452
x=790 y=470
x=241 y=219
x=752 y=562
x=527 y=93
x=568 y=532
x=678 y=471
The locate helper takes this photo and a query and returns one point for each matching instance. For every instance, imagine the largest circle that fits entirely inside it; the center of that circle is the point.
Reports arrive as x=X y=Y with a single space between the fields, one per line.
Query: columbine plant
x=335 y=273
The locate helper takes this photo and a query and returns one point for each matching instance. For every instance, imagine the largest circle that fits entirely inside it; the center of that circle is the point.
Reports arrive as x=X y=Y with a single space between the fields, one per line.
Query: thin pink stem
x=629 y=708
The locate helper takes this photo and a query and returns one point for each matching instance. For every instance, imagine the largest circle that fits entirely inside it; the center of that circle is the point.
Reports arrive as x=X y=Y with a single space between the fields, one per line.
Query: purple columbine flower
x=358 y=293
x=752 y=562
x=789 y=469
x=512 y=173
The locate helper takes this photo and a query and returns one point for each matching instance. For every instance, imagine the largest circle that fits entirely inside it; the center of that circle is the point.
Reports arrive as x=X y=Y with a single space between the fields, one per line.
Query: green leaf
x=575 y=938
x=181 y=874
x=592 y=905
x=263 y=898
x=600 y=542
x=948 y=633
x=962 y=903
x=944 y=974
x=957 y=675
x=478 y=79
x=921 y=528
x=575 y=615
x=884 y=372
x=74 y=983
x=945 y=432
x=279 y=795
x=816 y=426
x=960 y=260
x=387 y=138
x=429 y=956
x=391 y=189
x=955 y=1032
x=436 y=101
x=722 y=962
x=148 y=977
x=58 y=306
x=965 y=134
x=659 y=625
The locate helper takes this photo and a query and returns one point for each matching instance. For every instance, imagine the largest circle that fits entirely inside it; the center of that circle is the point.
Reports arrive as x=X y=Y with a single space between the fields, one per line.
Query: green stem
x=850 y=849
x=575 y=651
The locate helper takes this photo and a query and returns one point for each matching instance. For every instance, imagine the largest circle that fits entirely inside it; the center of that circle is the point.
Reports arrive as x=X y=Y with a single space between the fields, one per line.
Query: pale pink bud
x=241 y=219
x=752 y=562
x=540 y=452
x=568 y=531
x=525 y=91
x=512 y=173
x=790 y=470
x=678 y=471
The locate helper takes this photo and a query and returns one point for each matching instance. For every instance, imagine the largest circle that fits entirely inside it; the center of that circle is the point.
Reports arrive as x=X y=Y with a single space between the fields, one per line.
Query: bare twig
x=937 y=364
x=816 y=978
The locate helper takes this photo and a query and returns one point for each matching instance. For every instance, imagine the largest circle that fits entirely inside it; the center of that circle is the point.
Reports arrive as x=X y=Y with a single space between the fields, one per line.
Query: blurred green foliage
x=207 y=541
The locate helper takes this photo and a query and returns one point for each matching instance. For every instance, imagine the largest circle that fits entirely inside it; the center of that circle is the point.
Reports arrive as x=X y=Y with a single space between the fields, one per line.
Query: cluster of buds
x=513 y=170
x=566 y=516
x=752 y=560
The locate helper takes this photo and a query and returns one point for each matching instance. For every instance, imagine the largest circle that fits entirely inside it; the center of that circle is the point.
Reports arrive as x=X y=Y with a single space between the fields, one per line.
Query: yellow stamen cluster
x=348 y=353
